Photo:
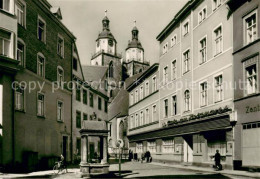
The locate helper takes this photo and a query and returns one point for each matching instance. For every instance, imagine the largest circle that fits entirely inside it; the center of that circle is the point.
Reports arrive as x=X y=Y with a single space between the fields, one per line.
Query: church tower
x=134 y=61
x=105 y=46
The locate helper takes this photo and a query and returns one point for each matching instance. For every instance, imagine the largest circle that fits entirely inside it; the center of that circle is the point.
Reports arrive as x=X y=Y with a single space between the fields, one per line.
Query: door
x=188 y=149
x=251 y=144
x=64 y=147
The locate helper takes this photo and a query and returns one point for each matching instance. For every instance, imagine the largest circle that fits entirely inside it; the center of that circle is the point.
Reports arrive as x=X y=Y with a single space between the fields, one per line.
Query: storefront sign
x=251 y=109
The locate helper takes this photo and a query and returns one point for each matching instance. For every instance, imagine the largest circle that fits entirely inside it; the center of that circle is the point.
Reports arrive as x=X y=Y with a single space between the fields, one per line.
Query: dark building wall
x=7 y=148
x=48 y=49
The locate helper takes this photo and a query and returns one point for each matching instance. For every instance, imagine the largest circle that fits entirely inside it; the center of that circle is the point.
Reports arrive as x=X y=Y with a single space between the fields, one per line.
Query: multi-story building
x=246 y=50
x=43 y=106
x=195 y=91
x=143 y=109
x=88 y=103
x=8 y=67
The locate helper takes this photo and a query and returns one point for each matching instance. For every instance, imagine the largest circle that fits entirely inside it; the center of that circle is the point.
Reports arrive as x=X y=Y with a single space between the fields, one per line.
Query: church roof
x=94 y=73
x=106 y=34
x=135 y=43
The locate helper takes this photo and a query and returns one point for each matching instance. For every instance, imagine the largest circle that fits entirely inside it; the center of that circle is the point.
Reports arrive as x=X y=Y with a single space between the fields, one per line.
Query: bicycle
x=59 y=167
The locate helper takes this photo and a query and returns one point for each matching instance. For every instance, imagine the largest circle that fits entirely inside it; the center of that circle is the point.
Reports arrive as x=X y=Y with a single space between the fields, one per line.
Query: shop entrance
x=188 y=149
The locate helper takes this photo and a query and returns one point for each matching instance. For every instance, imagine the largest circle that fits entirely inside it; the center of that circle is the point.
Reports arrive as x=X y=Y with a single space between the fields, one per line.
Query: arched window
x=187 y=100
x=111 y=70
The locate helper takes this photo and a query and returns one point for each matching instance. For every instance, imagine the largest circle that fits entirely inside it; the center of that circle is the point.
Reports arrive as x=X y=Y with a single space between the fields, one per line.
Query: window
x=91 y=100
x=19 y=98
x=136 y=96
x=106 y=106
x=141 y=92
x=174 y=70
x=78 y=119
x=166 y=108
x=41 y=66
x=154 y=113
x=131 y=99
x=218 y=41
x=147 y=88
x=186 y=61
x=5 y=43
x=216 y=4
x=85 y=96
x=151 y=145
x=78 y=146
x=60 y=46
x=147 y=120
x=40 y=104
x=132 y=122
x=251 y=79
x=85 y=117
x=78 y=93
x=203 y=94
x=20 y=53
x=168 y=146
x=218 y=88
x=173 y=40
x=111 y=71
x=202 y=15
x=5 y=5
x=174 y=105
x=141 y=118
x=154 y=87
x=186 y=28
x=60 y=111
x=41 y=29
x=187 y=100
x=60 y=75
x=250 y=28
x=99 y=103
x=139 y=147
x=20 y=13
x=165 y=75
x=75 y=64
x=203 y=46
x=136 y=120
x=165 y=48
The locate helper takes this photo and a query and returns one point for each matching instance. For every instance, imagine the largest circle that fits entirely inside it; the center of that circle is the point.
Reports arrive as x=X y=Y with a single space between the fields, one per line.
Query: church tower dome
x=134 y=50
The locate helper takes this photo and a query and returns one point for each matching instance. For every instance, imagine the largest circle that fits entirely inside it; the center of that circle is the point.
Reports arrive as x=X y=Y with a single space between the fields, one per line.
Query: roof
x=184 y=10
x=141 y=76
x=119 y=106
x=57 y=12
x=135 y=43
x=94 y=73
x=105 y=34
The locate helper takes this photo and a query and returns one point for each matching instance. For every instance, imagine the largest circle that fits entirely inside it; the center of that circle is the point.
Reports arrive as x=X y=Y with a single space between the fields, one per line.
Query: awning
x=196 y=127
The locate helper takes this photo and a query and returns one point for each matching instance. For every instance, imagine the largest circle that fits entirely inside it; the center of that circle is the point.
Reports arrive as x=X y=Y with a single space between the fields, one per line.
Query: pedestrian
x=217 y=160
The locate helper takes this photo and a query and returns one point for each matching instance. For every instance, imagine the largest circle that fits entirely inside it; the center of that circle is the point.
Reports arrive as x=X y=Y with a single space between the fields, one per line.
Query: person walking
x=217 y=160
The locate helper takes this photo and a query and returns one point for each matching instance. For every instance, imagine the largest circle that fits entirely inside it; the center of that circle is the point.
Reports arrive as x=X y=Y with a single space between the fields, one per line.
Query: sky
x=84 y=19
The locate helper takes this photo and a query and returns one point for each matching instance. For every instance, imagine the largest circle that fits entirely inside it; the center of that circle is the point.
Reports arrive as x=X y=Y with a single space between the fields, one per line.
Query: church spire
x=135 y=32
x=105 y=22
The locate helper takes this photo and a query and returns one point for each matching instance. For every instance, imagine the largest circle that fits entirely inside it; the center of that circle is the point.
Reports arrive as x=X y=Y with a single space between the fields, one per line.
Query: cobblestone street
x=152 y=170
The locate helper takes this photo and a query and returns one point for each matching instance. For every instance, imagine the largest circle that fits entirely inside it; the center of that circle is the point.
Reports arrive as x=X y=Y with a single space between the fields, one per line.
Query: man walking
x=217 y=160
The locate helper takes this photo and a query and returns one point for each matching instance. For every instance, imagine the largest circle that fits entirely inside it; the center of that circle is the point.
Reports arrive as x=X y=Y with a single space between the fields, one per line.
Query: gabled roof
x=119 y=105
x=57 y=12
x=93 y=72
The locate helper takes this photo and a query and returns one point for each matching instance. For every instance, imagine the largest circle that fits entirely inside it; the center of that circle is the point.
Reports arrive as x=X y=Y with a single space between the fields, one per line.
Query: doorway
x=64 y=147
x=188 y=149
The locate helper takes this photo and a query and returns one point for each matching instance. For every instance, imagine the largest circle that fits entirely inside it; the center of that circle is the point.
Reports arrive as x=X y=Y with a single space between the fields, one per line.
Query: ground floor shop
x=195 y=143
x=247 y=132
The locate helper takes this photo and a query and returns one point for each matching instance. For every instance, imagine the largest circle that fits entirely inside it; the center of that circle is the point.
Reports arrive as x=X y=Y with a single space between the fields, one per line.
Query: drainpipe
x=12 y=123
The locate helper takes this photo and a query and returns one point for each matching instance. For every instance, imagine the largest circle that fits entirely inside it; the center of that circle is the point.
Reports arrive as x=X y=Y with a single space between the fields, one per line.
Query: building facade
x=195 y=88
x=42 y=112
x=88 y=104
x=246 y=35
x=9 y=65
